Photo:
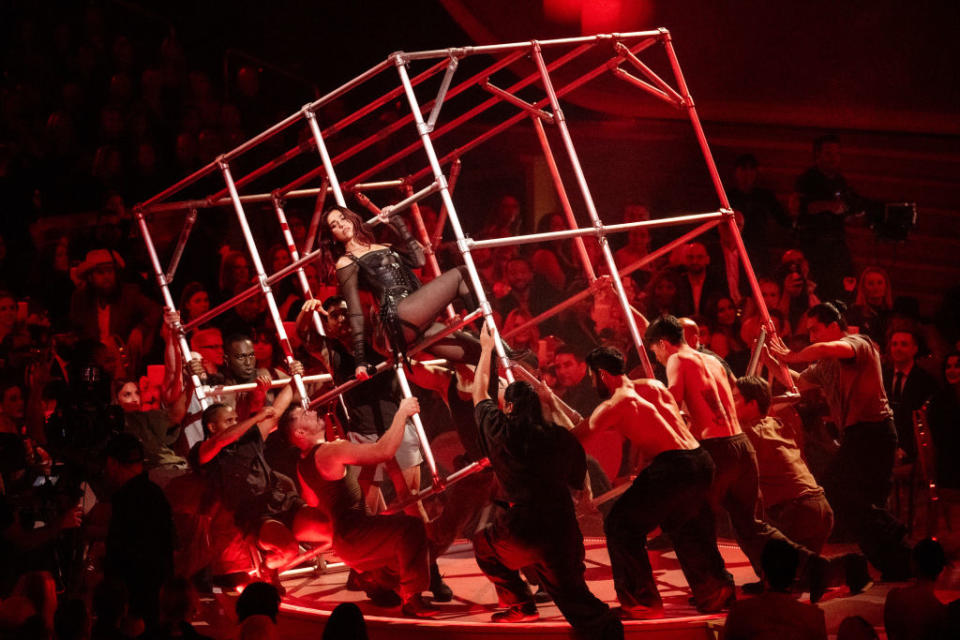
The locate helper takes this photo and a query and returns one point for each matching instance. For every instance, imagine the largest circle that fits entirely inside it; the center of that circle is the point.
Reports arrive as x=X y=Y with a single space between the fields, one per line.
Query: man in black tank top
x=391 y=550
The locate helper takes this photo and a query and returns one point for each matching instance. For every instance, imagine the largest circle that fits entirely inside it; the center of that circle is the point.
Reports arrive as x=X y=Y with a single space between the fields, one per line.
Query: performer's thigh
x=423 y=305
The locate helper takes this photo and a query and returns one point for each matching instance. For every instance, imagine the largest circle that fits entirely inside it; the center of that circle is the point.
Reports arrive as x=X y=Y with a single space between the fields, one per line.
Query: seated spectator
x=248 y=317
x=943 y=418
x=725 y=334
x=208 y=345
x=527 y=292
x=698 y=282
x=637 y=247
x=12 y=408
x=140 y=538
x=528 y=338
x=776 y=613
x=345 y=623
x=103 y=306
x=194 y=302
x=662 y=294
x=264 y=503
x=797 y=293
x=555 y=261
x=914 y=612
x=13 y=332
x=234 y=273
x=177 y=606
x=873 y=306
x=793 y=502
x=751 y=322
x=576 y=387
x=908 y=387
x=758 y=207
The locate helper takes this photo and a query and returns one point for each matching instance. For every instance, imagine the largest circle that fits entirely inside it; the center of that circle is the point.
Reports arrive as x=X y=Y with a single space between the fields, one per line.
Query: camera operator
x=23 y=545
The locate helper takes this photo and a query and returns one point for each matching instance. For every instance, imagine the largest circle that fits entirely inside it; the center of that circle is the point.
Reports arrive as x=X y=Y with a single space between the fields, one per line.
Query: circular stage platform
x=310 y=599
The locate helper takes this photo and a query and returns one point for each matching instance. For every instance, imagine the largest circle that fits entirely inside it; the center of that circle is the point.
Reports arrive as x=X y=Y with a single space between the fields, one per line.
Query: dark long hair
x=526 y=416
x=361 y=229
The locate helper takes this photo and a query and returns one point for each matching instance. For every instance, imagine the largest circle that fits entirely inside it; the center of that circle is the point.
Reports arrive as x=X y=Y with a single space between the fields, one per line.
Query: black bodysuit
x=407 y=310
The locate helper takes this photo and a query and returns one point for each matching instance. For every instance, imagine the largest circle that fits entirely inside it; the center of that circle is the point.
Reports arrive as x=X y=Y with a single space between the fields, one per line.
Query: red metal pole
x=721 y=194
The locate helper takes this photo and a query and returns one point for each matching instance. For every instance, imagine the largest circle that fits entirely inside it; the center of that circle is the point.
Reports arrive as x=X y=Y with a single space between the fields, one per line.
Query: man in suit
x=907 y=386
x=698 y=283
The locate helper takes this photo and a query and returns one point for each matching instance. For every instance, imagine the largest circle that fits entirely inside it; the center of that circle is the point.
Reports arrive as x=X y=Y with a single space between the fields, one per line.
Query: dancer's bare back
x=699 y=382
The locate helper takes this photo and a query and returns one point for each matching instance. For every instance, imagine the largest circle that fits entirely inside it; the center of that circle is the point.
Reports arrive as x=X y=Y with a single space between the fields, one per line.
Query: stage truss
x=369 y=161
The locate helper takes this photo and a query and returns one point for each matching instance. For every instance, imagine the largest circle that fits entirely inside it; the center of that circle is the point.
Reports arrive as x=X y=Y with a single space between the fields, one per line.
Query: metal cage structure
x=375 y=153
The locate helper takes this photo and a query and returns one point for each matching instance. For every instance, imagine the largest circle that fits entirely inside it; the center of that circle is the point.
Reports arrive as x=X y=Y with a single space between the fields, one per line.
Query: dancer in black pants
x=537 y=464
x=847 y=368
x=700 y=382
x=672 y=492
x=384 y=547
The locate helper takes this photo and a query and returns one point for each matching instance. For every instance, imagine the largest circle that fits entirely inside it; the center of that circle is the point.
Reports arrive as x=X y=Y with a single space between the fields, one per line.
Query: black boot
x=440 y=589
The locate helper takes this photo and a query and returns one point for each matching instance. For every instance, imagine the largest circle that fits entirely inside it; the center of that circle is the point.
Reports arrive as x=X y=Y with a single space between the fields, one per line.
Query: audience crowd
x=120 y=495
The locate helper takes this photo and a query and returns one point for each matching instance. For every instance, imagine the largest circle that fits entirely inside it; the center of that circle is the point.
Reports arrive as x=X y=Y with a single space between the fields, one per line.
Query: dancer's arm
x=481 y=377
x=331 y=458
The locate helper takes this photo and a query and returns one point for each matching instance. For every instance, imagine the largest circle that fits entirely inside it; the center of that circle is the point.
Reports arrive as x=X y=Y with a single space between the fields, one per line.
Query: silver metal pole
x=564 y=199
x=418 y=425
x=302 y=278
x=317 y=214
x=324 y=156
x=262 y=278
x=265 y=197
x=441 y=180
x=181 y=243
x=588 y=200
x=722 y=195
x=463 y=52
x=442 y=93
x=599 y=230
x=163 y=283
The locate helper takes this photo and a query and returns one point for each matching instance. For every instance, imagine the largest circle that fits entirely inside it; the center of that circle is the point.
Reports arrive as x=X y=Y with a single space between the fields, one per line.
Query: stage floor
x=310 y=599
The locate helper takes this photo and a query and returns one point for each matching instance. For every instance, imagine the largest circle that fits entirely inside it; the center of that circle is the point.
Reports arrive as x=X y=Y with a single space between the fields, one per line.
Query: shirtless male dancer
x=700 y=383
x=366 y=543
x=672 y=491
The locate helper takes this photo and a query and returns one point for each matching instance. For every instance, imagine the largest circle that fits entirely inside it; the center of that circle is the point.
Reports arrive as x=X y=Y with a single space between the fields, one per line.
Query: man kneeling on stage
x=388 y=549
x=671 y=491
x=265 y=503
x=537 y=465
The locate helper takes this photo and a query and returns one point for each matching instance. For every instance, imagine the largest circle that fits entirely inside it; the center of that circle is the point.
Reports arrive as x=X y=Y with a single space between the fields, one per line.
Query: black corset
x=385 y=274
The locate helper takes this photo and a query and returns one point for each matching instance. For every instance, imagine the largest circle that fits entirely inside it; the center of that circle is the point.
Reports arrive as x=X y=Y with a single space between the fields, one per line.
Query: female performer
x=407 y=309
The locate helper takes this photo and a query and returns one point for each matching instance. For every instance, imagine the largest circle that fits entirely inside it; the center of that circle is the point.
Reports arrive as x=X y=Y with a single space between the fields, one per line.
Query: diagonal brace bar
x=517 y=102
x=181 y=244
x=442 y=93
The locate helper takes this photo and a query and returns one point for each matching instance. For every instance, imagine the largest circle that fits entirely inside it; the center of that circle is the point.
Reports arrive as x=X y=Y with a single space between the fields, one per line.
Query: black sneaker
x=526 y=612
x=542 y=596
x=817 y=575
x=721 y=599
x=857 y=572
x=441 y=590
x=417 y=607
